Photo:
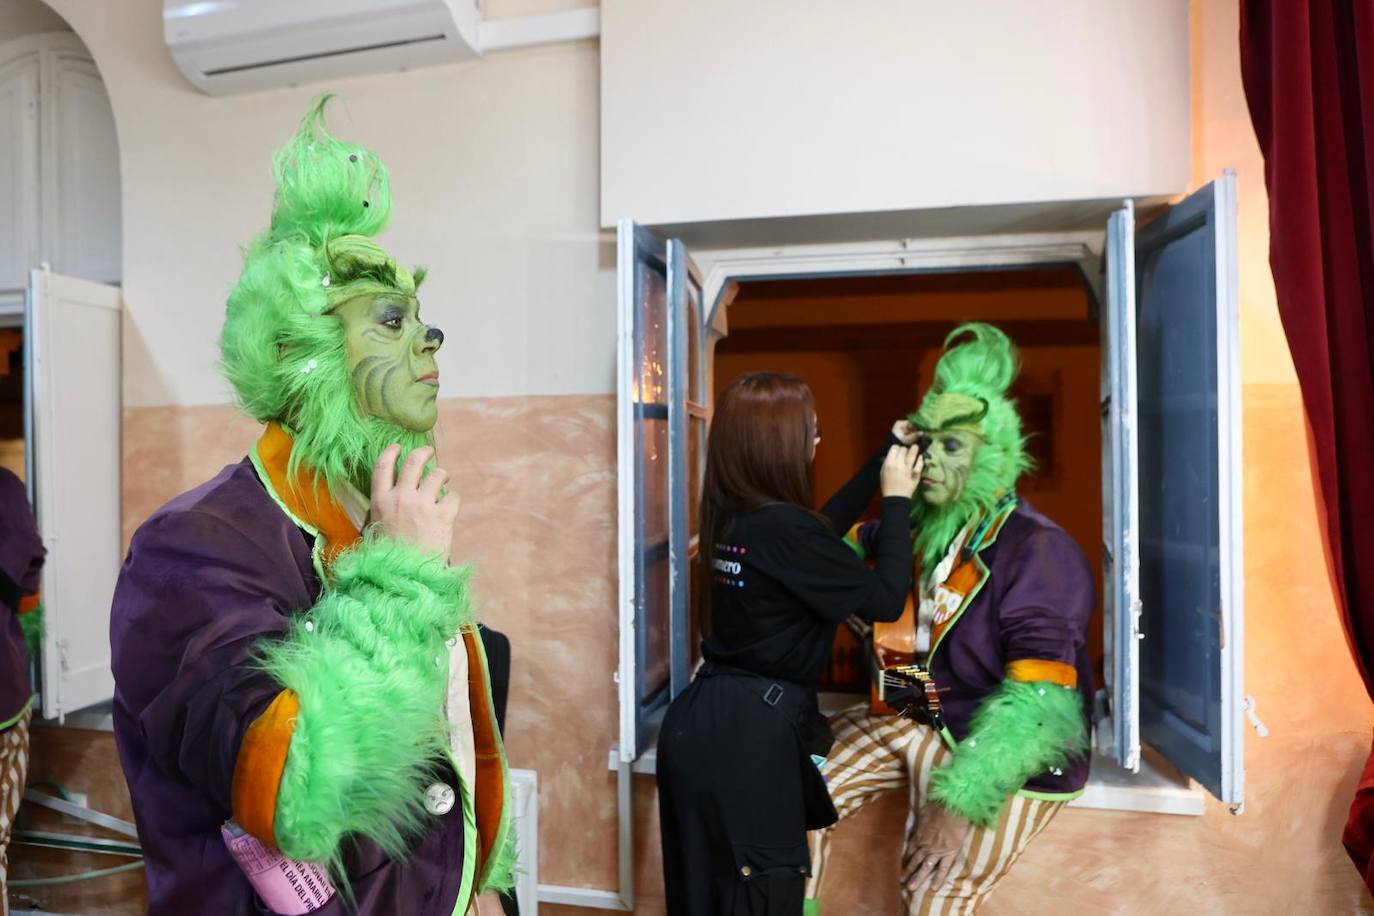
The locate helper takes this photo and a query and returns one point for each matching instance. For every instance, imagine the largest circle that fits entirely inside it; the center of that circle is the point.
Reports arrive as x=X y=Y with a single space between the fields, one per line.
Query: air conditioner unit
x=229 y=46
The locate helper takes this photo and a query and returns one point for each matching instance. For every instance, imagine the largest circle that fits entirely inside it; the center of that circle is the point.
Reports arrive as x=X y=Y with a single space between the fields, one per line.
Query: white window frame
x=1152 y=785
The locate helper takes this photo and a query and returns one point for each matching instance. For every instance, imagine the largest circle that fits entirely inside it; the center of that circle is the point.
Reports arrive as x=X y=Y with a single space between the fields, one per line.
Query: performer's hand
x=905 y=432
x=901 y=471
x=940 y=835
x=410 y=509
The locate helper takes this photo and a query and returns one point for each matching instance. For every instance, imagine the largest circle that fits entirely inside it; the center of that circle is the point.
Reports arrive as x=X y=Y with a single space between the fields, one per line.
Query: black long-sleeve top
x=783 y=579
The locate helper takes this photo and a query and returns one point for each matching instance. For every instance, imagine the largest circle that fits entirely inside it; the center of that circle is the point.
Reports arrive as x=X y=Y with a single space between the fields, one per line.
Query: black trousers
x=737 y=792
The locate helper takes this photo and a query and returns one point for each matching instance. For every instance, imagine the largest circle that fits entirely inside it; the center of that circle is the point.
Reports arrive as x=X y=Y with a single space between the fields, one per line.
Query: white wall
x=718 y=110
x=493 y=167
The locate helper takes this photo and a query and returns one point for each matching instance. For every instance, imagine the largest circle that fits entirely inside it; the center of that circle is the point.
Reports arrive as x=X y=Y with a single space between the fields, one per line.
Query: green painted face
x=949 y=460
x=391 y=359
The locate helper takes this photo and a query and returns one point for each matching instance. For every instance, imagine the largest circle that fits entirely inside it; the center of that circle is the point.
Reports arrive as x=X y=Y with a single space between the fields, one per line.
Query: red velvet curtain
x=1308 y=67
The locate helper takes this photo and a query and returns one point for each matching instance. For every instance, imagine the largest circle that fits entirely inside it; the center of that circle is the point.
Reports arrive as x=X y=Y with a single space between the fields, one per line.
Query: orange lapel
x=306 y=496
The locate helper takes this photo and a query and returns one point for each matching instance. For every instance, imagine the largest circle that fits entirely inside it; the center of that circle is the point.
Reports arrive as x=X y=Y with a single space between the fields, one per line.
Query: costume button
x=310 y=626
x=439 y=798
x=746 y=871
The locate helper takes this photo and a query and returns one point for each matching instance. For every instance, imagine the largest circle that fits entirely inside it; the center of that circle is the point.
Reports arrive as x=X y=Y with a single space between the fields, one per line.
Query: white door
x=72 y=361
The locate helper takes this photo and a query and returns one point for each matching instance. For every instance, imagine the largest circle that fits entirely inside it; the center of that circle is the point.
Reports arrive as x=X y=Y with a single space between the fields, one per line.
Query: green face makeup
x=391 y=359
x=948 y=464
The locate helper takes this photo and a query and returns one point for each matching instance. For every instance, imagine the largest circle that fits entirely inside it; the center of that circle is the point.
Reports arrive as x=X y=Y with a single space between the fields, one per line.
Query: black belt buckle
x=772 y=698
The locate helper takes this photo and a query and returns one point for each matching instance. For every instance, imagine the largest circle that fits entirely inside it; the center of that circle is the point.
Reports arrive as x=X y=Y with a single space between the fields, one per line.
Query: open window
x=1162 y=342
x=1174 y=522
x=1187 y=459
x=72 y=389
x=661 y=437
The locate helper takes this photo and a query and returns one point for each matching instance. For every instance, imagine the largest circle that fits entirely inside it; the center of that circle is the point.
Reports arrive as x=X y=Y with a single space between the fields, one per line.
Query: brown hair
x=758 y=454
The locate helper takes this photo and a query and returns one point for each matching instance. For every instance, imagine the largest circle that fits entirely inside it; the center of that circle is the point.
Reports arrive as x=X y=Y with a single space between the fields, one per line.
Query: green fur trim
x=280 y=348
x=811 y=907
x=854 y=545
x=369 y=665
x=32 y=626
x=981 y=368
x=1021 y=729
x=501 y=867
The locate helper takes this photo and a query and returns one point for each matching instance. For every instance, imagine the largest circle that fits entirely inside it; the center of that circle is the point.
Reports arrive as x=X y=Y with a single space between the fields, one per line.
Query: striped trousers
x=873 y=754
x=14 y=767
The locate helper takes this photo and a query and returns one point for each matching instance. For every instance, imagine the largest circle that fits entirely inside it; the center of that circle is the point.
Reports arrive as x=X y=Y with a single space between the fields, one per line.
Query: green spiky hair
x=281 y=348
x=970 y=392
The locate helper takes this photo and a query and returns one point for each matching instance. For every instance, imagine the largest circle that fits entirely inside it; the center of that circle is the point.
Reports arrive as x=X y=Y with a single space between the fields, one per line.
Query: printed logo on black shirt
x=728 y=569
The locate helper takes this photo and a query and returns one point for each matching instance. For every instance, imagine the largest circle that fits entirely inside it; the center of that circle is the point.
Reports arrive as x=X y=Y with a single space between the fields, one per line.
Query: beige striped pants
x=873 y=754
x=14 y=767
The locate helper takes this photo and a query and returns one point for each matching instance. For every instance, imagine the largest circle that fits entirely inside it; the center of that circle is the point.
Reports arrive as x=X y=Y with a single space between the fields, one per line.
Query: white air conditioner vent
x=231 y=46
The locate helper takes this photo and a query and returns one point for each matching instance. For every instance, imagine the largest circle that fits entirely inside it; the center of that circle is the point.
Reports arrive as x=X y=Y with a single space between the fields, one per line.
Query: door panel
x=1190 y=473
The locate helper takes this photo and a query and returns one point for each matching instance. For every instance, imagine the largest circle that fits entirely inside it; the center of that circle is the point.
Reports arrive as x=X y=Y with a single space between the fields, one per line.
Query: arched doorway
x=59 y=184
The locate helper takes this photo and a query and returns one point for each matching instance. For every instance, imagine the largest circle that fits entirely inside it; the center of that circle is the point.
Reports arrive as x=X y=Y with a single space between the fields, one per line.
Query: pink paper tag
x=286 y=886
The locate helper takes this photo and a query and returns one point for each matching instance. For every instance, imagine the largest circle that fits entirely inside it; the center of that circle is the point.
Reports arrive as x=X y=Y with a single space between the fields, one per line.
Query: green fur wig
x=970 y=392
x=281 y=349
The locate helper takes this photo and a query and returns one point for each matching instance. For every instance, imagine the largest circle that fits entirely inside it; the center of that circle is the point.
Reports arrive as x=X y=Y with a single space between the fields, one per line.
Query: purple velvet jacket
x=207 y=577
x=21 y=561
x=1035 y=602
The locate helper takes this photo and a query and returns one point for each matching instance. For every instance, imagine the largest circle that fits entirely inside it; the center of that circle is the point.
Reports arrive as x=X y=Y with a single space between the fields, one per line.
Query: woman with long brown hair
x=738 y=788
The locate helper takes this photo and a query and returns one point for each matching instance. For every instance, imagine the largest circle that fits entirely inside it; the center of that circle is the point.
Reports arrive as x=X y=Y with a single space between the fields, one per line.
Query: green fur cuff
x=369 y=665
x=31 y=625
x=390 y=576
x=1018 y=731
